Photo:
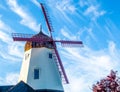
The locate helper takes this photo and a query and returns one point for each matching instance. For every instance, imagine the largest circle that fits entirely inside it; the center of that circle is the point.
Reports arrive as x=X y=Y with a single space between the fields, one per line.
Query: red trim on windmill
x=32 y=38
x=46 y=18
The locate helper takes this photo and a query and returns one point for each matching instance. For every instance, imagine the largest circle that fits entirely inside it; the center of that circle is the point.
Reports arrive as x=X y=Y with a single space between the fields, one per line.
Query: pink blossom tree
x=111 y=83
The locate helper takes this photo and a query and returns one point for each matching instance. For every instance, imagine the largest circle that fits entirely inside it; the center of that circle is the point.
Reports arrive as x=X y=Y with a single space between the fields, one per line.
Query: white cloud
x=5 y=32
x=13 y=49
x=12 y=78
x=90 y=32
x=5 y=37
x=62 y=9
x=67 y=34
x=94 y=12
x=5 y=27
x=112 y=47
x=36 y=2
x=92 y=9
x=1 y=80
x=65 y=6
x=86 y=66
x=16 y=49
x=27 y=20
x=9 y=79
x=8 y=57
x=112 y=31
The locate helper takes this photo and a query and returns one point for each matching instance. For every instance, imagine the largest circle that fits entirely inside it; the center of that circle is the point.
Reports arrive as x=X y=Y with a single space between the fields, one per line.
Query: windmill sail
x=60 y=66
x=47 y=18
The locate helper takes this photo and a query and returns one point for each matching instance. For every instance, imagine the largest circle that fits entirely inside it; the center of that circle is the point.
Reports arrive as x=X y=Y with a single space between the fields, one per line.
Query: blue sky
x=95 y=22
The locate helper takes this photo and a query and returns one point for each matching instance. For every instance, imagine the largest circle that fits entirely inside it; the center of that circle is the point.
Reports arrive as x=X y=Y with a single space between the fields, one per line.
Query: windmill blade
x=28 y=37
x=61 y=68
x=70 y=43
x=47 y=18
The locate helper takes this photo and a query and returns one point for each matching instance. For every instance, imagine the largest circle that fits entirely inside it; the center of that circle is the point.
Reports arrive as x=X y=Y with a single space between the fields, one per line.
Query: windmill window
x=33 y=44
x=36 y=73
x=37 y=44
x=26 y=56
x=50 y=55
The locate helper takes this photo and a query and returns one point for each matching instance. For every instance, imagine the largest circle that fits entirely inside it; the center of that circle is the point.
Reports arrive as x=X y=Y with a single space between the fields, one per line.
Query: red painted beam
x=60 y=62
x=69 y=42
x=46 y=18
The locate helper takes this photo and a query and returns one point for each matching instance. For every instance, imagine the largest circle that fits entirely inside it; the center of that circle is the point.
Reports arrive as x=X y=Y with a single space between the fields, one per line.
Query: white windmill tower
x=42 y=68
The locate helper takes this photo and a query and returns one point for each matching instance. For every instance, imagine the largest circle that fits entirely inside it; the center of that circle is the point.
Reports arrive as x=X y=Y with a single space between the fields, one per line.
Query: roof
x=41 y=34
x=23 y=87
x=5 y=88
x=20 y=87
x=45 y=41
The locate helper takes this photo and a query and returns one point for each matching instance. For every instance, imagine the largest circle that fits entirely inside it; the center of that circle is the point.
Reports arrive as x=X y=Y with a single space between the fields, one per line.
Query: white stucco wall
x=49 y=77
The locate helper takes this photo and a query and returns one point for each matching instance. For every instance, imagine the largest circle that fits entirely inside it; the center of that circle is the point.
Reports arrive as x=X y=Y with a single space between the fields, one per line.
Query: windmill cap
x=45 y=42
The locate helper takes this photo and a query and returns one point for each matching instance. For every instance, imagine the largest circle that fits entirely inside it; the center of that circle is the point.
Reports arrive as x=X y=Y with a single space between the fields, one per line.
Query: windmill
x=36 y=48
